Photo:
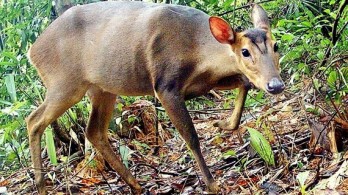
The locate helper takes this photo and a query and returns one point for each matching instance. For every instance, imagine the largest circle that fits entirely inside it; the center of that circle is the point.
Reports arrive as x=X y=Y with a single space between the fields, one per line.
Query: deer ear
x=221 y=30
x=260 y=18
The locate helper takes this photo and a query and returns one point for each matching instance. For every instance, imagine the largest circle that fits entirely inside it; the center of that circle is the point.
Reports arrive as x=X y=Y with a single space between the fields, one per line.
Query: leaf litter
x=168 y=167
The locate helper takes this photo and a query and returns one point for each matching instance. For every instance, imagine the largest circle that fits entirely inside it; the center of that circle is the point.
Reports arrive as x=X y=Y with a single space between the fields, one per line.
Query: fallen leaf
x=90 y=181
x=4 y=183
x=217 y=140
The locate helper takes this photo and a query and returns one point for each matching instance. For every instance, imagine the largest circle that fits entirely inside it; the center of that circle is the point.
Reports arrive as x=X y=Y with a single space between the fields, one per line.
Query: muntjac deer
x=135 y=48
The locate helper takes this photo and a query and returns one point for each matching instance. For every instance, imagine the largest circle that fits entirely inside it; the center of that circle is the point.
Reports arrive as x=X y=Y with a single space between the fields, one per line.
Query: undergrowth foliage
x=20 y=87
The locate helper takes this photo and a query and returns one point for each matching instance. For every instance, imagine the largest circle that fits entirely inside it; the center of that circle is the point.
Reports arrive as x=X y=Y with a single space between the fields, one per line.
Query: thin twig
x=242 y=7
x=335 y=35
x=75 y=174
x=234 y=14
x=66 y=167
x=334 y=105
x=106 y=181
x=343 y=28
x=155 y=169
x=203 y=112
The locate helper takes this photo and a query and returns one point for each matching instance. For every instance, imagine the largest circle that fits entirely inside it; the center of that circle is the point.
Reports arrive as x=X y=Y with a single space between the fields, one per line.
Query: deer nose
x=275 y=86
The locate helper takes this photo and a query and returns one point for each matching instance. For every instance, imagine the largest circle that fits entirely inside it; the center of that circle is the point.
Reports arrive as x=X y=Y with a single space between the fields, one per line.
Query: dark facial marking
x=256 y=36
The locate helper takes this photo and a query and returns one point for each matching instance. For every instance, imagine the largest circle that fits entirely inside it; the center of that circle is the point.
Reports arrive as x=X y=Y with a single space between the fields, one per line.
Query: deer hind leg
x=57 y=101
x=102 y=107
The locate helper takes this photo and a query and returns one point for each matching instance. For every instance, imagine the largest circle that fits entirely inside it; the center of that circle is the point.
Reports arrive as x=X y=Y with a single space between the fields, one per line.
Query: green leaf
x=10 y=55
x=325 y=42
x=11 y=88
x=119 y=107
x=301 y=178
x=125 y=152
x=287 y=37
x=51 y=149
x=5 y=102
x=9 y=130
x=320 y=55
x=4 y=63
x=131 y=119
x=331 y=79
x=227 y=3
x=261 y=146
x=229 y=153
x=213 y=2
x=306 y=24
x=144 y=145
x=316 y=83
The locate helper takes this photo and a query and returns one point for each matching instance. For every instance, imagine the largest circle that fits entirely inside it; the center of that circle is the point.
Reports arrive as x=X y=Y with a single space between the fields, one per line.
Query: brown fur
x=136 y=48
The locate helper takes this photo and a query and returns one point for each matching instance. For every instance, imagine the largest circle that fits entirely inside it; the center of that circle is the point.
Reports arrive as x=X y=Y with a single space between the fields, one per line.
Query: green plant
x=21 y=22
x=301 y=178
x=261 y=146
x=125 y=152
x=228 y=154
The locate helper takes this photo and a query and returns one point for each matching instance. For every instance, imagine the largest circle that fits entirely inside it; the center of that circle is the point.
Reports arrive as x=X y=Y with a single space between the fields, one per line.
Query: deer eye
x=275 y=47
x=245 y=53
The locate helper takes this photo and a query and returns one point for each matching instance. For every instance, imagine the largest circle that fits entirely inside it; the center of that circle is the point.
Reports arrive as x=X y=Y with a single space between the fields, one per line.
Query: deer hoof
x=41 y=187
x=137 y=191
x=213 y=187
x=225 y=125
x=42 y=191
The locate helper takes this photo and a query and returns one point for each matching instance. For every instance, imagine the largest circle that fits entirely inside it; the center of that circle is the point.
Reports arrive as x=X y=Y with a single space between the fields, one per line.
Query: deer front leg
x=233 y=121
x=174 y=105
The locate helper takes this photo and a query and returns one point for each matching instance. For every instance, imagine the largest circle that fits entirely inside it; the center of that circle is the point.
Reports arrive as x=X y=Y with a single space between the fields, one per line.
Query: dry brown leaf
x=343 y=187
x=90 y=181
x=4 y=182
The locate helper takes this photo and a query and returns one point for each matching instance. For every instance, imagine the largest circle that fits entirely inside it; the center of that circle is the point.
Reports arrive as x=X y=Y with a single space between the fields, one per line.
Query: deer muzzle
x=275 y=86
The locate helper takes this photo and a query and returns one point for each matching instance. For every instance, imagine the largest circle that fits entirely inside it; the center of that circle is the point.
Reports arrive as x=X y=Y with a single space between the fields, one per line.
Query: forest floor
x=171 y=169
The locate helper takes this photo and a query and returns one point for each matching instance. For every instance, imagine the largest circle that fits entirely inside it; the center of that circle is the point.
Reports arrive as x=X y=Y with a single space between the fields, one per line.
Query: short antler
x=260 y=18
